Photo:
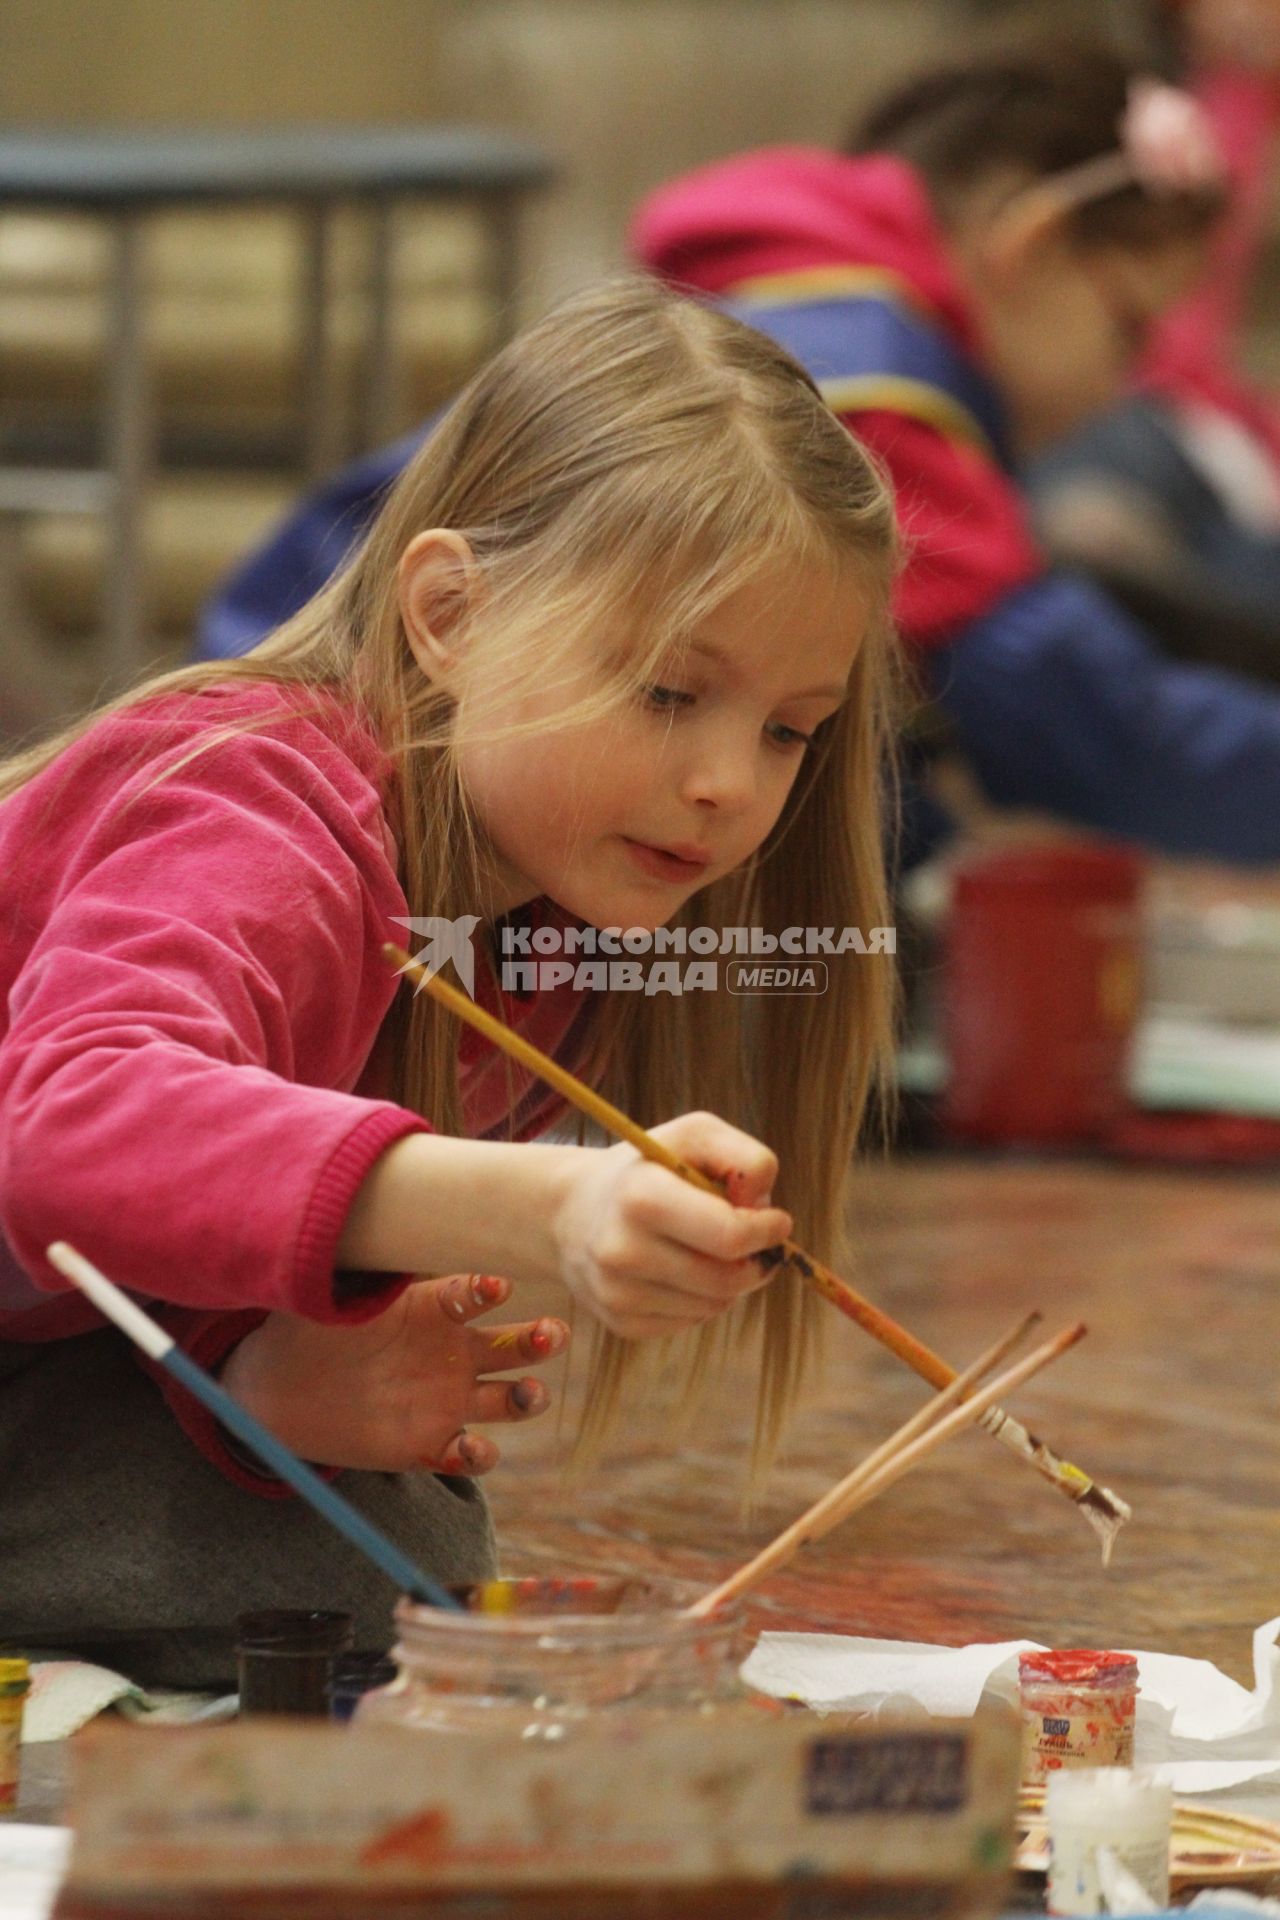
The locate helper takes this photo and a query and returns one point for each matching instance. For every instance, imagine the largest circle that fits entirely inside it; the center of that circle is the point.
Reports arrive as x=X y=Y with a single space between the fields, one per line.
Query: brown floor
x=1172 y=1400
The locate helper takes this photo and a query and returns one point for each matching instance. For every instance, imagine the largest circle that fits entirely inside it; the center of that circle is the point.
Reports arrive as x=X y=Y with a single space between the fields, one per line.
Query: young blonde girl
x=614 y=653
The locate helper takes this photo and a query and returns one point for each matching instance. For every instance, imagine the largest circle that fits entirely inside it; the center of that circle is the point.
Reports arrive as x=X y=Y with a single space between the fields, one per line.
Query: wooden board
x=770 y=1814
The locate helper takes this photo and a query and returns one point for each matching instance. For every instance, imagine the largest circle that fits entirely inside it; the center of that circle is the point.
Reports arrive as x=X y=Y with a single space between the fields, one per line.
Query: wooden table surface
x=1172 y=1400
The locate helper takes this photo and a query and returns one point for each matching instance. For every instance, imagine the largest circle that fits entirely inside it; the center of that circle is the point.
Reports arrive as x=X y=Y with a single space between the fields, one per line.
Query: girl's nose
x=724 y=779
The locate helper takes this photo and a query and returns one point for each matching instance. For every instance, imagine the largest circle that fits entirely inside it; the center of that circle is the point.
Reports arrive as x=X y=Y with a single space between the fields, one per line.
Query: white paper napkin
x=66 y=1694
x=1200 y=1729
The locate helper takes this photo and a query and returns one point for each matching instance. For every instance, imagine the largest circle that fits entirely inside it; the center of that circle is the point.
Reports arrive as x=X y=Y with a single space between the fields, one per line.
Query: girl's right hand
x=650 y=1254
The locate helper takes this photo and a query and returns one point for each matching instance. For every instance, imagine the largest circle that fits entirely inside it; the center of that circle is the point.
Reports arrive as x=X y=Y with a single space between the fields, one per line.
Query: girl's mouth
x=662 y=863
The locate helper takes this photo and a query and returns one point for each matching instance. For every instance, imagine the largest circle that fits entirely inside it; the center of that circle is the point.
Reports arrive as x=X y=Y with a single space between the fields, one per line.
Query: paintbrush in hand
x=1105 y=1511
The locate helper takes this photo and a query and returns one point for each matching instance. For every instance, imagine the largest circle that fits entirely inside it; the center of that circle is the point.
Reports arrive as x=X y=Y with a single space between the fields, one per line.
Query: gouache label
x=1084 y=1727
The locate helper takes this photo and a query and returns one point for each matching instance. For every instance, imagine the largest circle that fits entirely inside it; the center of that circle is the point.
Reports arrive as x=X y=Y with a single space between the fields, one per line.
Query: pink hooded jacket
x=193 y=989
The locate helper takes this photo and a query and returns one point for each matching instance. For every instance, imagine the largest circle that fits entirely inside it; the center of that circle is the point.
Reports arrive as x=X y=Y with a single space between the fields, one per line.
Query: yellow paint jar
x=15 y=1680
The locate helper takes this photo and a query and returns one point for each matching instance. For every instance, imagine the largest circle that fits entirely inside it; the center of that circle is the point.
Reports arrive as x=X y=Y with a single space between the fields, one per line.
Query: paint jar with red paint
x=540 y=1655
x=1078 y=1710
x=1039 y=993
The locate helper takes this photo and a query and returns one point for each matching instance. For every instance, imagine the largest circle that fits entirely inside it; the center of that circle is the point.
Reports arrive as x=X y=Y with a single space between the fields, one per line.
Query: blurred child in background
x=975 y=277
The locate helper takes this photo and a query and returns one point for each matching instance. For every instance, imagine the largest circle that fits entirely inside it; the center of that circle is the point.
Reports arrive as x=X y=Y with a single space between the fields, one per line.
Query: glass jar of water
x=539 y=1655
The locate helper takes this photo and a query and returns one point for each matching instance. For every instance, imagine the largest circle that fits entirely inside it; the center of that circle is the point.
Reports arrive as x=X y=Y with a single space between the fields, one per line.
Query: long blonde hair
x=637 y=451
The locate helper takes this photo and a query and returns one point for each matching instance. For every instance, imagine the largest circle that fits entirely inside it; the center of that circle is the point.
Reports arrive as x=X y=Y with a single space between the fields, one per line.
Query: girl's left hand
x=397 y=1392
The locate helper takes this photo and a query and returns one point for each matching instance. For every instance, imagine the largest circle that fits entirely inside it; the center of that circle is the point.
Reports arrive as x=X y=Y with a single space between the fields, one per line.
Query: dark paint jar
x=285 y=1658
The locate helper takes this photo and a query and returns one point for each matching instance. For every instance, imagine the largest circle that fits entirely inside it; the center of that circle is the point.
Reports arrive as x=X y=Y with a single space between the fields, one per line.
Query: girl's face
x=621 y=820
x=1065 y=324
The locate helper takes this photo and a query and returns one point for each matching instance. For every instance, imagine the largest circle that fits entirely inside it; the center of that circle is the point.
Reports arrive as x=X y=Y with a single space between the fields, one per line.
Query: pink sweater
x=194 y=988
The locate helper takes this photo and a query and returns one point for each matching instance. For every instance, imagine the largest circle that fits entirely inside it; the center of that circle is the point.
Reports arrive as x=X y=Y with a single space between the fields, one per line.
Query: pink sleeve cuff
x=316 y=1253
x=208 y=1338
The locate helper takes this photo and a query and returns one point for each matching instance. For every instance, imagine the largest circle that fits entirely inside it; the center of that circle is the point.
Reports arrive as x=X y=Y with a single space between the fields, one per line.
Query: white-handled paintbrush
x=327 y=1501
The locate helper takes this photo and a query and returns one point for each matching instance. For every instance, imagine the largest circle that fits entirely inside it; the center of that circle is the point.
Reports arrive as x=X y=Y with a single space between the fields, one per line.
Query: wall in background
x=217 y=62
x=624 y=95
x=622 y=92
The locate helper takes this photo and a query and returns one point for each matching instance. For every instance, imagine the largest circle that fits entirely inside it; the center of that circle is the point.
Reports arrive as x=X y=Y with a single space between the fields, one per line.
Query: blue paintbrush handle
x=329 y=1504
x=324 y=1498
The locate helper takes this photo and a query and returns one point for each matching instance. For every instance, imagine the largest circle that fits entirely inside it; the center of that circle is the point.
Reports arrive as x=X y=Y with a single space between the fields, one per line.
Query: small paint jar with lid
x=15 y=1682
x=1078 y=1709
x=542 y=1656
x=285 y=1656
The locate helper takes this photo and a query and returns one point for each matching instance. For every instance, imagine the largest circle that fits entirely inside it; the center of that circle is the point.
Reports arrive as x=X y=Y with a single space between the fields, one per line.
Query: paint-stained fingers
x=499 y=1400
x=665 y=1204
x=751 y=1189
x=467 y=1454
x=465 y=1296
x=526 y=1342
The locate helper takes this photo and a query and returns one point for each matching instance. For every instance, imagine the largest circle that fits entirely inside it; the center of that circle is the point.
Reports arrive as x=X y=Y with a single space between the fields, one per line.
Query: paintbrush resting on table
x=1105 y=1511
x=328 y=1503
x=918 y=1437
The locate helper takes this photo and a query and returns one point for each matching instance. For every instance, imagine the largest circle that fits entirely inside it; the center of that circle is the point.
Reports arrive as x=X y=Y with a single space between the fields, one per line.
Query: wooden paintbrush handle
x=881 y=1326
x=1104 y=1508
x=870 y=1318
x=899 y=1454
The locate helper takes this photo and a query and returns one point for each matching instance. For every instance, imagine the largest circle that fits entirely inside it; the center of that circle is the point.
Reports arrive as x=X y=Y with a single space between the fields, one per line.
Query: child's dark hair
x=1035 y=111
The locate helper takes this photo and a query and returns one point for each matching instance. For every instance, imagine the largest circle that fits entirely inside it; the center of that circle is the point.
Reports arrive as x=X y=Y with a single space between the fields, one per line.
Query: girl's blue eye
x=667 y=699
x=790 y=736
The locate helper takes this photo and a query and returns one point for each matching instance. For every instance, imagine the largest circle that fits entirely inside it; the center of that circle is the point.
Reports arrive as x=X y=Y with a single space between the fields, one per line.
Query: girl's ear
x=438 y=582
x=1022 y=233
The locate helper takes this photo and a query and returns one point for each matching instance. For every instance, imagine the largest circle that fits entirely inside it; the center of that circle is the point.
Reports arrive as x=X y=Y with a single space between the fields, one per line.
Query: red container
x=1040 y=990
x=1078 y=1710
